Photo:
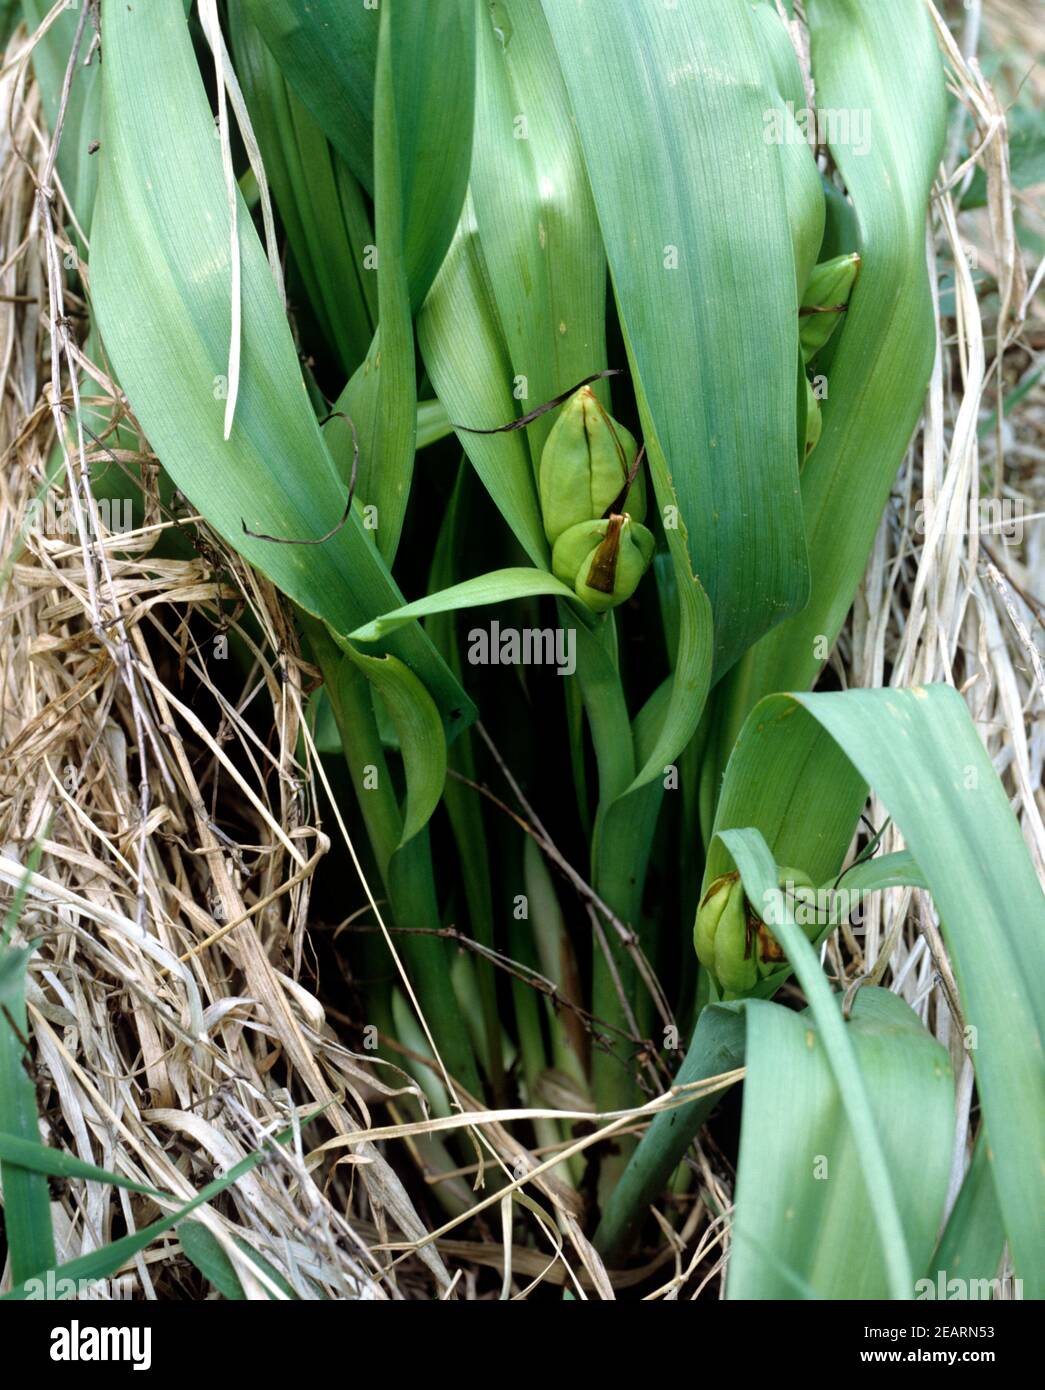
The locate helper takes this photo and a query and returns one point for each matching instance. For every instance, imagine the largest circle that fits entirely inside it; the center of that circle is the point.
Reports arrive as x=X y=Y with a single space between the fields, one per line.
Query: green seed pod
x=709 y=914
x=814 y=419
x=824 y=301
x=735 y=961
x=732 y=940
x=603 y=560
x=586 y=461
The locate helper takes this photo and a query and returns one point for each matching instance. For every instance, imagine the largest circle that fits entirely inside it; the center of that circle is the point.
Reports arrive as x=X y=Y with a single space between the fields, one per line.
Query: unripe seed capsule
x=585 y=465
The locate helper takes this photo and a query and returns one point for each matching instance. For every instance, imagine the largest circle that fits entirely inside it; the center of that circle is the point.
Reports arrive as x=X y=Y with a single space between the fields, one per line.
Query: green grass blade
x=27 y=1198
x=100 y=1264
x=38 y=1158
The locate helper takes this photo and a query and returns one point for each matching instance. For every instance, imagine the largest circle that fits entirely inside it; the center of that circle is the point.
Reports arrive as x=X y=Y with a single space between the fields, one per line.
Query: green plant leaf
x=328 y=53
x=800 y=1192
x=670 y=105
x=161 y=283
x=887 y=150
x=419 y=730
x=203 y=1249
x=101 y=1263
x=496 y=587
x=38 y=1158
x=758 y=872
x=319 y=200
x=974 y=1237
x=422 y=149
x=922 y=753
x=77 y=166
x=27 y=1199
x=463 y=346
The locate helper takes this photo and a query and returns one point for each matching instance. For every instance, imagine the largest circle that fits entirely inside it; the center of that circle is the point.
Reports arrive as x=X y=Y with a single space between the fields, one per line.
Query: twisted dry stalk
x=171 y=904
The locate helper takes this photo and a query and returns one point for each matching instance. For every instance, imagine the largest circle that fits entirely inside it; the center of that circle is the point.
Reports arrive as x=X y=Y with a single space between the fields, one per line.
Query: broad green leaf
x=758 y=872
x=419 y=730
x=328 y=53
x=801 y=1199
x=920 y=751
x=971 y=1245
x=803 y=189
x=496 y=587
x=461 y=340
x=162 y=291
x=320 y=202
x=670 y=105
x=887 y=148
x=535 y=216
x=422 y=147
